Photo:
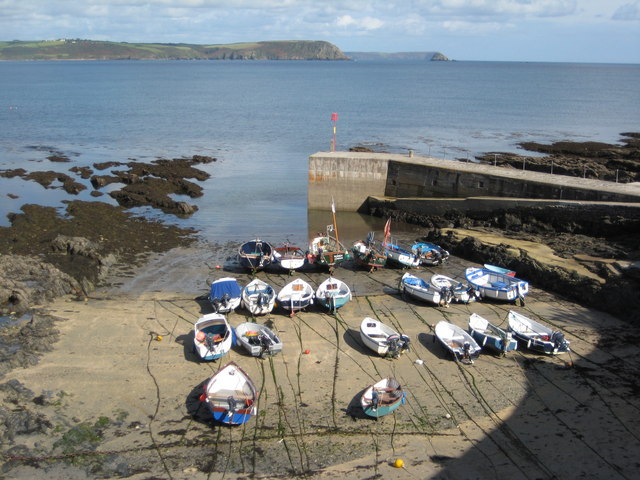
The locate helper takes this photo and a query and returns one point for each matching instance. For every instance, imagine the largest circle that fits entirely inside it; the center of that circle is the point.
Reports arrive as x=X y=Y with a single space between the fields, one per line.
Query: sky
x=599 y=31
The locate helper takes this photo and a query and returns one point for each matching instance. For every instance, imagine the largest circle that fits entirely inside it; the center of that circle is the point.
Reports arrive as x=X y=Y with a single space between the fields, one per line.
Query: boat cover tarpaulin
x=230 y=287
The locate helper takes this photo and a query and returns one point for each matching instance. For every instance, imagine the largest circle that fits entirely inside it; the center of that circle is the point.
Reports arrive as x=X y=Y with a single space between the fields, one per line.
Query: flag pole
x=333 y=211
x=334 y=119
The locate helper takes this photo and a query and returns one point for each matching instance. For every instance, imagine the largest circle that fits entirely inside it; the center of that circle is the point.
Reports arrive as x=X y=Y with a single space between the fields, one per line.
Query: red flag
x=387 y=229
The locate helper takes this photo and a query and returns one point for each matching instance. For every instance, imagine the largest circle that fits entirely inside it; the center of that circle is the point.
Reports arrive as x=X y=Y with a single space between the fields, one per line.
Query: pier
x=350 y=178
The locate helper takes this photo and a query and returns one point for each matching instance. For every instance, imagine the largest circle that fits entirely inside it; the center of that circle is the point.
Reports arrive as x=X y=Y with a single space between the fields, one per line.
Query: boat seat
x=498 y=284
x=376 y=335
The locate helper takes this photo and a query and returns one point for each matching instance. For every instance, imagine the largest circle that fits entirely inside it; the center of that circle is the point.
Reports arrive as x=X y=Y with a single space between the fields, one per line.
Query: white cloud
x=365 y=23
x=628 y=11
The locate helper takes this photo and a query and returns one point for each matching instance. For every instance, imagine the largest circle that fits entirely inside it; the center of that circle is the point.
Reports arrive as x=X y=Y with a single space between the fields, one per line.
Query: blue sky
x=503 y=30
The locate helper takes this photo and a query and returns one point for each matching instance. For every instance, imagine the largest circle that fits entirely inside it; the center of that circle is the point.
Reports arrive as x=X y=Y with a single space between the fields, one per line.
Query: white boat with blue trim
x=497 y=286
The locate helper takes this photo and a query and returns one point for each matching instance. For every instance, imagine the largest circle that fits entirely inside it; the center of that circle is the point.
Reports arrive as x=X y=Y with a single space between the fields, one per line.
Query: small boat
x=401 y=256
x=453 y=289
x=430 y=253
x=225 y=295
x=420 y=289
x=258 y=297
x=231 y=395
x=258 y=340
x=289 y=257
x=255 y=254
x=396 y=253
x=497 y=285
x=495 y=268
x=382 y=339
x=457 y=341
x=536 y=336
x=296 y=295
x=382 y=397
x=333 y=294
x=212 y=336
x=326 y=250
x=490 y=336
x=368 y=254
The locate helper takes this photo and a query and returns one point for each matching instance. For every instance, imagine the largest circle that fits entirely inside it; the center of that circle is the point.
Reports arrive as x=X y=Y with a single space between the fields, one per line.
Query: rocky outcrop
x=26 y=281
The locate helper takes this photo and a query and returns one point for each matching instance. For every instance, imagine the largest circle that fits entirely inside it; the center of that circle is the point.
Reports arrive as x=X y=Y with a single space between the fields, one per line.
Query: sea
x=263 y=119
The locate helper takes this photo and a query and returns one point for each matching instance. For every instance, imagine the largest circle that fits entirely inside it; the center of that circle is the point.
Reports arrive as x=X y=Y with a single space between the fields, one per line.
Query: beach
x=117 y=396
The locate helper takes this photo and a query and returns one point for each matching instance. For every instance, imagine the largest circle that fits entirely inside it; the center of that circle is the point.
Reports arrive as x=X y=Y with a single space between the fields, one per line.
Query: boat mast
x=335 y=225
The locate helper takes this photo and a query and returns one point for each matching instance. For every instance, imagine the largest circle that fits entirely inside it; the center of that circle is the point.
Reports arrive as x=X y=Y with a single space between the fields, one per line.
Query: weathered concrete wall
x=347 y=177
x=351 y=177
x=440 y=206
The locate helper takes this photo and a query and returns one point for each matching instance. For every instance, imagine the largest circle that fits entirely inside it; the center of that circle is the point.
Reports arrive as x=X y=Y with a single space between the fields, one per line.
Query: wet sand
x=521 y=416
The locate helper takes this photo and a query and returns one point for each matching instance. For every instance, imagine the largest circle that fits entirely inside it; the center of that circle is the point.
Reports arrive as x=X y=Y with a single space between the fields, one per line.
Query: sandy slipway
x=117 y=395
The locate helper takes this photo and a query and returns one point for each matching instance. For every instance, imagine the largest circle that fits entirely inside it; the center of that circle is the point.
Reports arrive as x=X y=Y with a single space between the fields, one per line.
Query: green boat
x=382 y=397
x=326 y=249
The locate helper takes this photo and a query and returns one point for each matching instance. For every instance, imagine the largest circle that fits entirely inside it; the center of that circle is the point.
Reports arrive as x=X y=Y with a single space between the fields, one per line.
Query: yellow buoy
x=159 y=338
x=399 y=463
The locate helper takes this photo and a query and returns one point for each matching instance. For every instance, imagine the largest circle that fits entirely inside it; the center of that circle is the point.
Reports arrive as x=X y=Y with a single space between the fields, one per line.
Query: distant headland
x=81 y=49
x=429 y=56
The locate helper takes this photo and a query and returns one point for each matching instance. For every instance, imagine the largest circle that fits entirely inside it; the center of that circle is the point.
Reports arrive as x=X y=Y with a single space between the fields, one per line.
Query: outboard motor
x=506 y=340
x=215 y=303
x=405 y=342
x=225 y=300
x=233 y=405
x=393 y=341
x=375 y=398
x=475 y=292
x=466 y=352
x=558 y=340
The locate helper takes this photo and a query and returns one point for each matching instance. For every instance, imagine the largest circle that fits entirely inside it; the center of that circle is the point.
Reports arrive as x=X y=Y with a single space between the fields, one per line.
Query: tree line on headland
x=80 y=49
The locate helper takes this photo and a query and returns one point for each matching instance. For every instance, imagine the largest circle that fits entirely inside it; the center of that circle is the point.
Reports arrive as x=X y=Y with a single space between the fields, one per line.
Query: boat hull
x=258 y=340
x=367 y=256
x=212 y=337
x=382 y=339
x=295 y=296
x=231 y=395
x=535 y=336
x=429 y=253
x=333 y=294
x=497 y=286
x=457 y=342
x=504 y=271
x=225 y=295
x=457 y=291
x=420 y=290
x=401 y=256
x=289 y=257
x=382 y=398
x=258 y=297
x=255 y=254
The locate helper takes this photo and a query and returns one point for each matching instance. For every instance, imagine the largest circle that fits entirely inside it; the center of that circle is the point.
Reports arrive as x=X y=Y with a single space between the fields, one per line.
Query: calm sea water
x=263 y=119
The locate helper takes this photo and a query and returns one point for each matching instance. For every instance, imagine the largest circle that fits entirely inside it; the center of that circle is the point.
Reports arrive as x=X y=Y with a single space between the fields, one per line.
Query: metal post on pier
x=334 y=119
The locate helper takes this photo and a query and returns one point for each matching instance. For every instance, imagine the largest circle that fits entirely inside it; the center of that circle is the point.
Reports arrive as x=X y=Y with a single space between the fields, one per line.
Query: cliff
x=428 y=56
x=76 y=49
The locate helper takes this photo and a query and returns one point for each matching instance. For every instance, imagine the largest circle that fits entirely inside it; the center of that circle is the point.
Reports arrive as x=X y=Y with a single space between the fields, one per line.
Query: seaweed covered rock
x=26 y=281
